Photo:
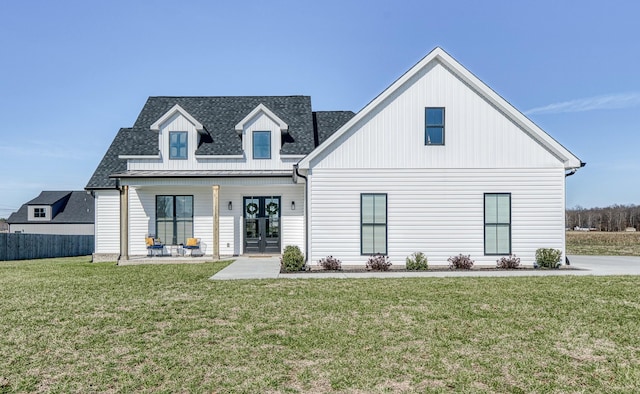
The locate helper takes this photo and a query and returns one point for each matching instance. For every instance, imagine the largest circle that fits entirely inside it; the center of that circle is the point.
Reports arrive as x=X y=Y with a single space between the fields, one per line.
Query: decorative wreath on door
x=252 y=208
x=272 y=208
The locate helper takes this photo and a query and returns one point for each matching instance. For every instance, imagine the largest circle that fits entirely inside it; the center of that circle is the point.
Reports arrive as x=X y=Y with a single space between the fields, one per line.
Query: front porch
x=229 y=220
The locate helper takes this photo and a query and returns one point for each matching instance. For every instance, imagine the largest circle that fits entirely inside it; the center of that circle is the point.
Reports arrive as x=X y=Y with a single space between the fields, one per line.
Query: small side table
x=176 y=250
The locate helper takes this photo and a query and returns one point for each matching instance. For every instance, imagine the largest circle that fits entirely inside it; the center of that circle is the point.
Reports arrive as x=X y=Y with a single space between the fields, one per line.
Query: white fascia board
x=291 y=156
x=438 y=54
x=142 y=157
x=176 y=109
x=284 y=128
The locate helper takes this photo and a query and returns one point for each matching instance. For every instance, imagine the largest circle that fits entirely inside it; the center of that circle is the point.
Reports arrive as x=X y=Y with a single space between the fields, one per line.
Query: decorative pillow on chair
x=192 y=242
x=149 y=241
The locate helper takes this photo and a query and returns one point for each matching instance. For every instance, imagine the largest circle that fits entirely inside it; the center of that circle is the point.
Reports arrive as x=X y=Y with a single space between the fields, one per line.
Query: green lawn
x=67 y=325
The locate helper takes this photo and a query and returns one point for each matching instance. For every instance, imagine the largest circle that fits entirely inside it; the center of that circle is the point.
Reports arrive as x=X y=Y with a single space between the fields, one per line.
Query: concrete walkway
x=269 y=268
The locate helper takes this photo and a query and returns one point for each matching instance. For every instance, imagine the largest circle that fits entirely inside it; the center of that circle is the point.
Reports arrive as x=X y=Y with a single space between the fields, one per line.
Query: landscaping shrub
x=378 y=262
x=292 y=259
x=461 y=262
x=508 y=262
x=548 y=257
x=331 y=263
x=417 y=261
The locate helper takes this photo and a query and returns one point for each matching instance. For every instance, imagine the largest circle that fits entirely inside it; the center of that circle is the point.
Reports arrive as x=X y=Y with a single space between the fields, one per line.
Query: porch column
x=124 y=223
x=216 y=222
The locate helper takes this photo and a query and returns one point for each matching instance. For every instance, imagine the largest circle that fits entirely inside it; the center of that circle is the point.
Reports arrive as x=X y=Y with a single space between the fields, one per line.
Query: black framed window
x=261 y=144
x=434 y=126
x=497 y=223
x=178 y=144
x=373 y=223
x=39 y=213
x=174 y=219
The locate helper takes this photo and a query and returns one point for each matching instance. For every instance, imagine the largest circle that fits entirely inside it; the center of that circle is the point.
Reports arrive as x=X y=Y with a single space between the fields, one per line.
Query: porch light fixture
x=230 y=206
x=293 y=205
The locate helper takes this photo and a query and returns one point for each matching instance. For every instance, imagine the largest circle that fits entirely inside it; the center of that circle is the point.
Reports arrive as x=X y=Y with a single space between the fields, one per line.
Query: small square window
x=434 y=126
x=261 y=144
x=178 y=145
x=39 y=213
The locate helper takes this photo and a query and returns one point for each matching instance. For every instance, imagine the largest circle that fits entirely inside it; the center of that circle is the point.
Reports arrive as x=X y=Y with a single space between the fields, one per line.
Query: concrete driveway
x=269 y=268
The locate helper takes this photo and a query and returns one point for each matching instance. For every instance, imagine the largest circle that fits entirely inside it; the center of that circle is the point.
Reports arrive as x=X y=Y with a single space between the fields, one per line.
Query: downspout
x=568 y=174
x=306 y=211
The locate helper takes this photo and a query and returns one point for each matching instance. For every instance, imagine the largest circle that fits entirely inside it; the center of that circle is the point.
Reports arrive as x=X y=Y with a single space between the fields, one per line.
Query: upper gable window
x=261 y=144
x=434 y=126
x=39 y=213
x=178 y=145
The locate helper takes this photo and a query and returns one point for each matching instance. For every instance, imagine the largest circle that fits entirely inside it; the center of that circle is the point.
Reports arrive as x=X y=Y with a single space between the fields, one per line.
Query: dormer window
x=39 y=213
x=178 y=145
x=261 y=144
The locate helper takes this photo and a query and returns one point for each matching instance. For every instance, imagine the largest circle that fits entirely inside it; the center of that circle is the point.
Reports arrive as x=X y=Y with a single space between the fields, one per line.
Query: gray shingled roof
x=328 y=122
x=219 y=115
x=124 y=143
x=79 y=208
x=49 y=197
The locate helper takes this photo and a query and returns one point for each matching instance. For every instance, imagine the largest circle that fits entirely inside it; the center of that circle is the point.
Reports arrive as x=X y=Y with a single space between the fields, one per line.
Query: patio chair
x=193 y=244
x=154 y=246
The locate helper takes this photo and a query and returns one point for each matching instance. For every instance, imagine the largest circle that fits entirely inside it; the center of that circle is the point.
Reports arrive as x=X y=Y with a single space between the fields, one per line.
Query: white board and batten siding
x=436 y=192
x=107 y=219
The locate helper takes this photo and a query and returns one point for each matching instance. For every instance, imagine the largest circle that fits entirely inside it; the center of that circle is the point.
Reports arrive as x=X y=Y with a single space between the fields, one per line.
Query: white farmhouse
x=437 y=163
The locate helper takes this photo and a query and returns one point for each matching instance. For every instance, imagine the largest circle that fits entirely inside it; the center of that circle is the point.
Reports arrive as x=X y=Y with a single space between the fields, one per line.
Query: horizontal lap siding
x=107 y=218
x=292 y=219
x=142 y=219
x=438 y=212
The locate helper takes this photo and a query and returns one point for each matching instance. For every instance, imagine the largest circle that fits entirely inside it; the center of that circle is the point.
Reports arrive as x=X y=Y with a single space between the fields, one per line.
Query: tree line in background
x=612 y=218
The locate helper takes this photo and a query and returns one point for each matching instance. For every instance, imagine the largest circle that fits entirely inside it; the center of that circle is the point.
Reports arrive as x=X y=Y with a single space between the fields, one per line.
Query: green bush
x=461 y=262
x=417 y=261
x=292 y=259
x=548 y=257
x=378 y=262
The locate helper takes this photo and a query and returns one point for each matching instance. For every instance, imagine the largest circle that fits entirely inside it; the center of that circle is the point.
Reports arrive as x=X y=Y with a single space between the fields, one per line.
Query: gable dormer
x=262 y=133
x=179 y=134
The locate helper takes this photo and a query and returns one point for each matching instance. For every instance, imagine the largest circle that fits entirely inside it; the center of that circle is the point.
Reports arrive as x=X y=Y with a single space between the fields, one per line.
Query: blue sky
x=73 y=72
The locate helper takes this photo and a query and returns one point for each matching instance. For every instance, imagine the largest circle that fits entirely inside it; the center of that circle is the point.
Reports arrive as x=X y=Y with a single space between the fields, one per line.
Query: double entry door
x=262 y=224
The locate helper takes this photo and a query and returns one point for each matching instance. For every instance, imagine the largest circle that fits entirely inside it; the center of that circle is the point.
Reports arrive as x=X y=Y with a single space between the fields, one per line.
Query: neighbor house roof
x=218 y=117
x=77 y=207
x=569 y=160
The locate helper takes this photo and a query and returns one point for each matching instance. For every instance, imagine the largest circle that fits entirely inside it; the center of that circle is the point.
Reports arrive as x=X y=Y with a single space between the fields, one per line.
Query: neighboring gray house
x=55 y=212
x=437 y=163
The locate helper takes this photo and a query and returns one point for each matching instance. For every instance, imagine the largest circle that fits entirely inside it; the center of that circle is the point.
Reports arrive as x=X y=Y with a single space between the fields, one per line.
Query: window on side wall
x=261 y=144
x=178 y=145
x=373 y=223
x=434 y=126
x=497 y=223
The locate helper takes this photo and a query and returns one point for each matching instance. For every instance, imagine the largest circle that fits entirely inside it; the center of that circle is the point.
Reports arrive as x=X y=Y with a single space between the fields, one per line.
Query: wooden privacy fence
x=39 y=246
